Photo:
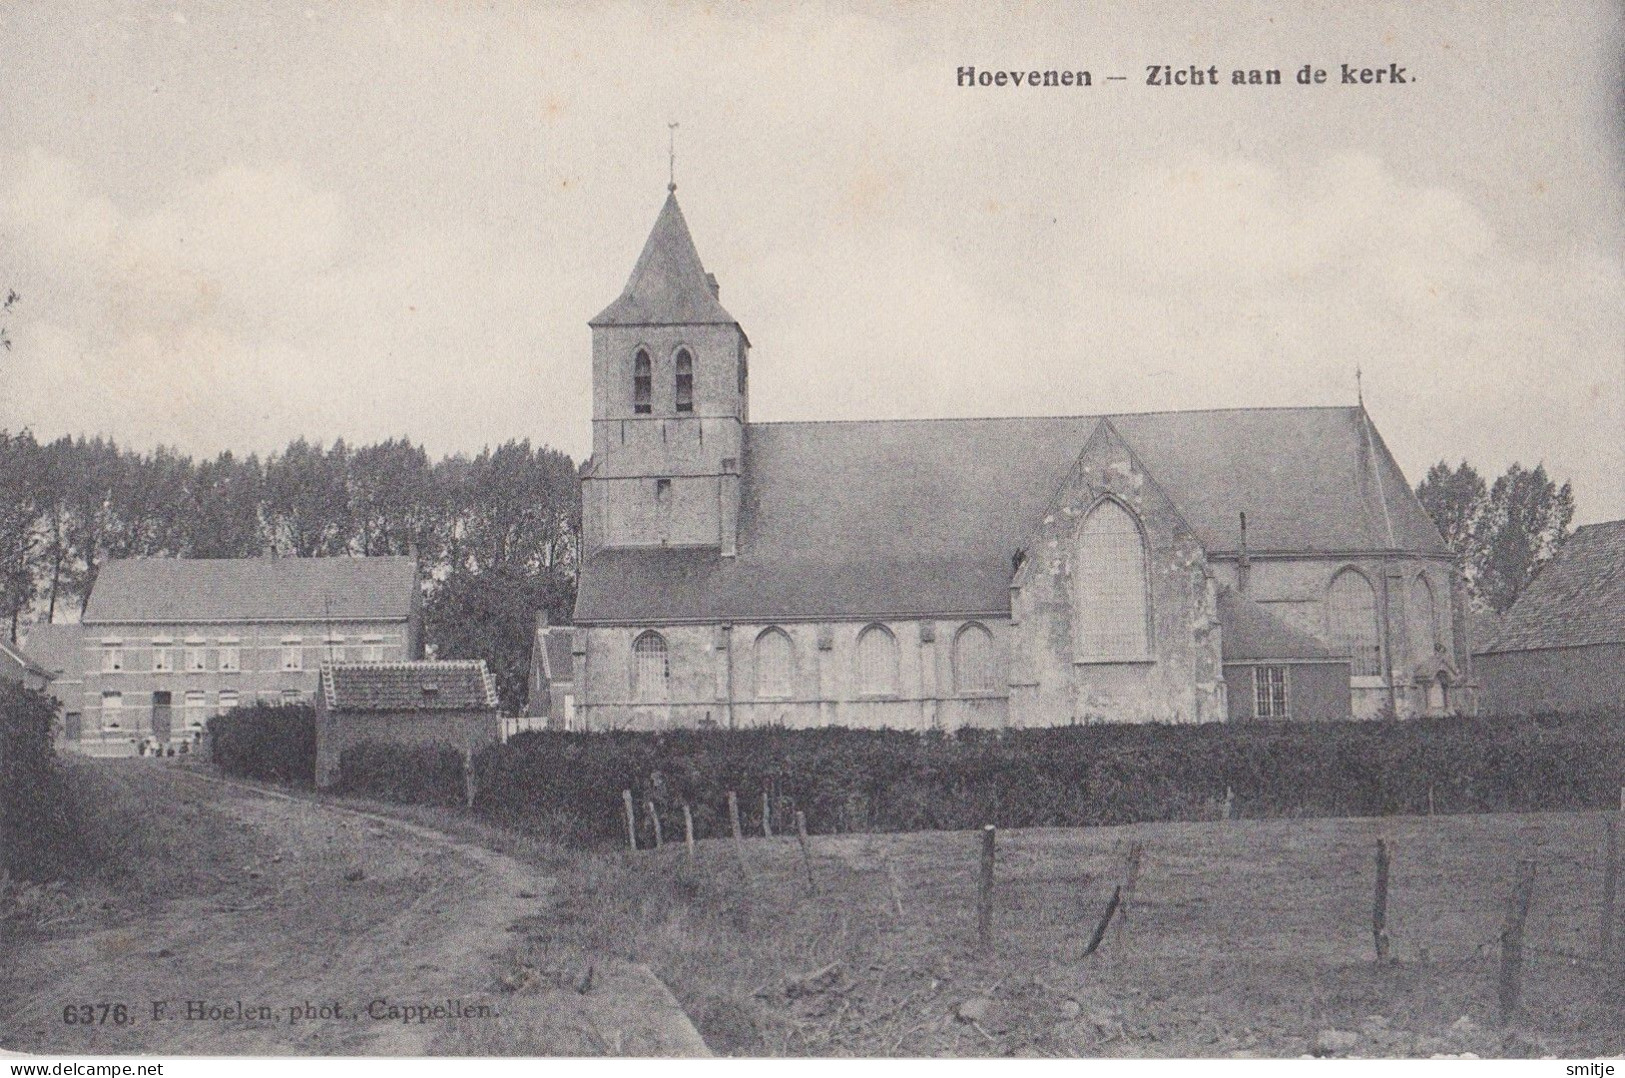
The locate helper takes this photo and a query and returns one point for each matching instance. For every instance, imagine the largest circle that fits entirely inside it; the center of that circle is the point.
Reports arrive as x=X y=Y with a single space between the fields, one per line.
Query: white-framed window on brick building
x=1269 y=692
x=973 y=661
x=877 y=662
x=112 y=711
x=230 y=659
x=1110 y=588
x=774 y=664
x=112 y=656
x=372 y=649
x=651 y=671
x=334 y=645
x=1351 y=621
x=163 y=655
x=228 y=700
x=292 y=696
x=643 y=381
x=197 y=708
x=293 y=653
x=196 y=655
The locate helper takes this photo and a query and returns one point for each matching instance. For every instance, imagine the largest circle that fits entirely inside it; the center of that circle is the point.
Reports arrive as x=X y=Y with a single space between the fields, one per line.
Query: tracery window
x=1351 y=615
x=877 y=662
x=973 y=660
x=1109 y=582
x=650 y=670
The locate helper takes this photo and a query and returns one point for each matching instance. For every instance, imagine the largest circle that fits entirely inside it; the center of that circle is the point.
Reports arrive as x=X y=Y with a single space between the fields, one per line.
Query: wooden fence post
x=895 y=888
x=1131 y=880
x=1610 y=885
x=767 y=821
x=654 y=818
x=739 y=837
x=1511 y=981
x=984 y=893
x=631 y=819
x=1430 y=799
x=688 y=829
x=1379 y=905
x=806 y=855
x=1105 y=920
x=1229 y=802
x=468 y=777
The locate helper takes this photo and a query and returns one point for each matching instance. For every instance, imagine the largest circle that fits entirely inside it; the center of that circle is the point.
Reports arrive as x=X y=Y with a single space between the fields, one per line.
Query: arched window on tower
x=643 y=382
x=650 y=671
x=685 y=381
x=973 y=661
x=1109 y=581
x=773 y=665
x=1424 y=620
x=877 y=662
x=1351 y=617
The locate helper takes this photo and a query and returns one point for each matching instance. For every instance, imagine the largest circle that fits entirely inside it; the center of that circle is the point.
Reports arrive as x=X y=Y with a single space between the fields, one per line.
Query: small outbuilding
x=1276 y=672
x=1561 y=648
x=447 y=702
x=552 y=689
x=16 y=665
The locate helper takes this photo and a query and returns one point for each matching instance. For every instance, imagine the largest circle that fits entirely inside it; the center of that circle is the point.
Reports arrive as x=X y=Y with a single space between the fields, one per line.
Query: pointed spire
x=669 y=285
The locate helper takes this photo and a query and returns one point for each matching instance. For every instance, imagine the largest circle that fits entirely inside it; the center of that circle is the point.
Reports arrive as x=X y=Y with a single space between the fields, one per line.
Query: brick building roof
x=914 y=518
x=59 y=648
x=138 y=590
x=1577 y=598
x=21 y=660
x=424 y=685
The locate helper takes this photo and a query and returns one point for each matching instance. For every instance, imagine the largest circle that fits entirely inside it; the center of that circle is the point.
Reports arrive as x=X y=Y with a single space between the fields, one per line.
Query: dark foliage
x=38 y=837
x=569 y=785
x=408 y=774
x=269 y=742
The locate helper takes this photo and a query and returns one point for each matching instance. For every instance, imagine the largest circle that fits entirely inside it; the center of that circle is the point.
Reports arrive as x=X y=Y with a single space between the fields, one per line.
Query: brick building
x=1562 y=645
x=974 y=571
x=167 y=642
x=448 y=702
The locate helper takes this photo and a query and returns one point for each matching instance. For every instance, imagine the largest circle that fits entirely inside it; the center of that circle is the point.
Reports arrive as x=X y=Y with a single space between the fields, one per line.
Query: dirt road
x=271 y=925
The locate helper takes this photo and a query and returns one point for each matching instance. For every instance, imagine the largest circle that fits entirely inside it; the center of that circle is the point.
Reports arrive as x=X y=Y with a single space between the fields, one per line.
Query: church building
x=1206 y=566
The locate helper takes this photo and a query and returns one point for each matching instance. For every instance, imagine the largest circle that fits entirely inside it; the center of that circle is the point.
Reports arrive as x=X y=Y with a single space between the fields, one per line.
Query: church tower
x=669 y=404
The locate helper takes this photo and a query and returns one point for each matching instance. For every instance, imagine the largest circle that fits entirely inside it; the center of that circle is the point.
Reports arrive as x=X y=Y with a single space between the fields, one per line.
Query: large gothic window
x=1424 y=620
x=685 y=381
x=773 y=665
x=650 y=670
x=1109 y=582
x=642 y=384
x=877 y=662
x=973 y=661
x=1351 y=615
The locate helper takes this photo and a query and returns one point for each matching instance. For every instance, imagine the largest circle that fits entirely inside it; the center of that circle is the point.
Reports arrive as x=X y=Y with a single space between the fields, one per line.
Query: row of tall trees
x=496 y=535
x=1501 y=532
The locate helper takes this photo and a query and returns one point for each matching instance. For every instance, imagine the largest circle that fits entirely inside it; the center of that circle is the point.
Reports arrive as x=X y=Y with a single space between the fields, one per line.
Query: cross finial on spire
x=671 y=151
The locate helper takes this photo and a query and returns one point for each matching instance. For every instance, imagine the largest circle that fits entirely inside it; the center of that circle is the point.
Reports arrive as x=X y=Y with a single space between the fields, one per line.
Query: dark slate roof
x=252 y=589
x=1249 y=633
x=424 y=685
x=909 y=517
x=1577 y=598
x=560 y=661
x=668 y=285
x=1484 y=629
x=58 y=648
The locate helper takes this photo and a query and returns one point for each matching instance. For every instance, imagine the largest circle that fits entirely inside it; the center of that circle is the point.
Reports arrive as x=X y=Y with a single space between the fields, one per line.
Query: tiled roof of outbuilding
x=174 y=590
x=1577 y=598
x=909 y=518
x=424 y=685
x=22 y=658
x=59 y=648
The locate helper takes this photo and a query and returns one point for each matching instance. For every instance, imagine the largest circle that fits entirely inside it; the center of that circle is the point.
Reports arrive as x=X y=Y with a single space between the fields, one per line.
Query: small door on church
x=161 y=717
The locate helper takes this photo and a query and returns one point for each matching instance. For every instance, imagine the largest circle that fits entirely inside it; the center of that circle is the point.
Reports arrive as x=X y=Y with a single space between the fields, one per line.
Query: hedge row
x=38 y=836
x=569 y=784
x=269 y=742
x=409 y=774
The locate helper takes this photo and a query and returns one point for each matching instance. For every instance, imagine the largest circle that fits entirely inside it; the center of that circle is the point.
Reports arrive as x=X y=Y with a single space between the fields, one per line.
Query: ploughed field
x=1247 y=937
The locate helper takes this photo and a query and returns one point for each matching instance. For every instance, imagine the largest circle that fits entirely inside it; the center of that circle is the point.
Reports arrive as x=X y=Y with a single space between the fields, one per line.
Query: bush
x=569 y=784
x=269 y=742
x=38 y=836
x=409 y=774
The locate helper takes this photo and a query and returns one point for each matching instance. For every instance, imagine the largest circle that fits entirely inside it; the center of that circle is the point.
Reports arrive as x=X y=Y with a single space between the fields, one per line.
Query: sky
x=231 y=225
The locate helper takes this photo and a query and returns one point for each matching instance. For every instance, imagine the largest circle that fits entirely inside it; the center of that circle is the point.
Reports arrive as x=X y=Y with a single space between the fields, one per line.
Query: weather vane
x=1359 y=388
x=671 y=159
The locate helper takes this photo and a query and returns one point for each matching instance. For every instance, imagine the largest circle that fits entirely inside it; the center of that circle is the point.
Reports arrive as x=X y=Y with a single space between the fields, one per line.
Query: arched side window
x=774 y=664
x=650 y=670
x=973 y=661
x=643 y=381
x=685 y=381
x=877 y=662
x=1109 y=582
x=1424 y=619
x=1351 y=619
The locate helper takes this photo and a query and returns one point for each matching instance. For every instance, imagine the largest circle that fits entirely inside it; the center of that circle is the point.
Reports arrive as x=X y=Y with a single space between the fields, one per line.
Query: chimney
x=1245 y=568
x=716 y=289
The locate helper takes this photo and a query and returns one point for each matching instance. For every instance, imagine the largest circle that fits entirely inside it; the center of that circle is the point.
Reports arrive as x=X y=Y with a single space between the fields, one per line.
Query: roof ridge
x=1024 y=418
